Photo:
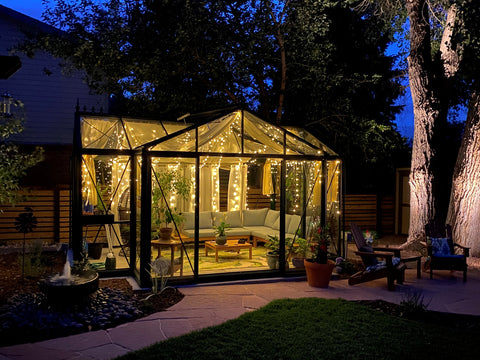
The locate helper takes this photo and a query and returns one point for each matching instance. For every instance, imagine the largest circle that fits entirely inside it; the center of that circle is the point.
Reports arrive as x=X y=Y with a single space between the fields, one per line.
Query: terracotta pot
x=318 y=275
x=165 y=233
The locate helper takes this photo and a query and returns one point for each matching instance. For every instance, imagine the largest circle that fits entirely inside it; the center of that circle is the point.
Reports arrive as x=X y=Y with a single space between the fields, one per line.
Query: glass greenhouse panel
x=173 y=217
x=183 y=141
x=297 y=146
x=222 y=135
x=261 y=137
x=309 y=138
x=333 y=196
x=303 y=208
x=106 y=194
x=103 y=133
x=139 y=133
x=138 y=219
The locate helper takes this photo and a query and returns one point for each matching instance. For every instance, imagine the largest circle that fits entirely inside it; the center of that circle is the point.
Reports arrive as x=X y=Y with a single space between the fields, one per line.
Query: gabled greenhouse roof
x=238 y=132
x=241 y=132
x=107 y=132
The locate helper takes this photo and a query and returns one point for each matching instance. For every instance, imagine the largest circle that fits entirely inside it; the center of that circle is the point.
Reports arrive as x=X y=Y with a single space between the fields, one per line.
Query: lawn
x=313 y=328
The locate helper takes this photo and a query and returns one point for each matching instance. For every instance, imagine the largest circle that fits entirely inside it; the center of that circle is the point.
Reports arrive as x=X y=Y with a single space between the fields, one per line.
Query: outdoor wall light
x=6 y=104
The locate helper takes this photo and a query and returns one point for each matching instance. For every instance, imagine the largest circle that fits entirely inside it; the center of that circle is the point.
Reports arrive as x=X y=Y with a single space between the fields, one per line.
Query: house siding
x=49 y=96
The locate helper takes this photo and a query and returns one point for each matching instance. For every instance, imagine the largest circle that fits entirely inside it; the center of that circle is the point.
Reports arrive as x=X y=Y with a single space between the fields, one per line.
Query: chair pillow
x=368 y=260
x=441 y=246
x=233 y=218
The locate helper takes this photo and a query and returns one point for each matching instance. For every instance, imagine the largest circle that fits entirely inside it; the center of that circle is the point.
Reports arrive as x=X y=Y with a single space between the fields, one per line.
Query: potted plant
x=221 y=236
x=273 y=245
x=300 y=252
x=273 y=255
x=319 y=268
x=169 y=182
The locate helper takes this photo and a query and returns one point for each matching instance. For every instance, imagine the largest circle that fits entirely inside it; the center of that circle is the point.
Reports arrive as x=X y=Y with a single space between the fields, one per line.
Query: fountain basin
x=73 y=288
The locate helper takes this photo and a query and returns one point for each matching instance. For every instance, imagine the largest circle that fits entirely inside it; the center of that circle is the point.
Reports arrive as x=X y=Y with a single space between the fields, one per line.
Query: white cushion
x=238 y=232
x=189 y=220
x=201 y=232
x=254 y=217
x=288 y=218
x=205 y=218
x=217 y=218
x=263 y=232
x=271 y=217
x=294 y=224
x=276 y=224
x=233 y=219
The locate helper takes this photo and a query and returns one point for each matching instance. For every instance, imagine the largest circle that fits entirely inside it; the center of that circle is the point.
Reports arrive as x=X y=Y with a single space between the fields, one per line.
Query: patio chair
x=443 y=252
x=392 y=268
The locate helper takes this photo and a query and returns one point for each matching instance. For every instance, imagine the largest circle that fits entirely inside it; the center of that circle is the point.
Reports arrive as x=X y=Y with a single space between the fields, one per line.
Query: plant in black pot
x=220 y=233
x=300 y=251
x=273 y=253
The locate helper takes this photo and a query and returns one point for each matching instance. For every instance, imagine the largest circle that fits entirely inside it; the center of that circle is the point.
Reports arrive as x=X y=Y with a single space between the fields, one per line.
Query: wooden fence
x=373 y=212
x=51 y=207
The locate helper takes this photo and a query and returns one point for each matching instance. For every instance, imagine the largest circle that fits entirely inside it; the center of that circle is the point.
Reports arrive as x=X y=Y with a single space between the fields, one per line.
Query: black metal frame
x=146 y=155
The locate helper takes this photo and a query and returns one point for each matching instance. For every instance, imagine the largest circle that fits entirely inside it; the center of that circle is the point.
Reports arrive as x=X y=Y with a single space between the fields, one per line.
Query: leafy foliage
x=14 y=163
x=174 y=57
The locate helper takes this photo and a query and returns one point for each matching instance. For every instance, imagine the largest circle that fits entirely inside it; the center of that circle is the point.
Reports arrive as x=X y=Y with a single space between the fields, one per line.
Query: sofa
x=255 y=225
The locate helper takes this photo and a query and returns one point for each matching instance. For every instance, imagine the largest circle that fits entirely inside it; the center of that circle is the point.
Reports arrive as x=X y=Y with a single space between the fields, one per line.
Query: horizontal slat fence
x=51 y=207
x=373 y=212
x=256 y=199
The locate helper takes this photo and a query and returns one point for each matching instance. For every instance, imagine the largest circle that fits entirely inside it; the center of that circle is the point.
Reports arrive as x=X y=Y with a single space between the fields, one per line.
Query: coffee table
x=230 y=245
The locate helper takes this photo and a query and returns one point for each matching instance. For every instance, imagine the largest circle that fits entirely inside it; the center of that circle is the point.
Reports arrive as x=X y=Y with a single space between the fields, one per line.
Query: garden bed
x=25 y=316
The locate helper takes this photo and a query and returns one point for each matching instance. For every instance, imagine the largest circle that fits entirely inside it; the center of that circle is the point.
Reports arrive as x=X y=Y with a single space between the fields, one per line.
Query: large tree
x=442 y=68
x=464 y=58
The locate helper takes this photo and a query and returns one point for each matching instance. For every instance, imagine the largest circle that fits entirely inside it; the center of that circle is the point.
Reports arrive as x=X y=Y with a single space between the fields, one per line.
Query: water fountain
x=69 y=286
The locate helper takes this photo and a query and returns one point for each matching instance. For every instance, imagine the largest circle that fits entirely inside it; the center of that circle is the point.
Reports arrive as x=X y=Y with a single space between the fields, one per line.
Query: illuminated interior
x=261 y=179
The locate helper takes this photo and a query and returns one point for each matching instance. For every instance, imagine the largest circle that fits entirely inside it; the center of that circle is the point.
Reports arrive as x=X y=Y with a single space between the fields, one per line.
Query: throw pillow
x=441 y=246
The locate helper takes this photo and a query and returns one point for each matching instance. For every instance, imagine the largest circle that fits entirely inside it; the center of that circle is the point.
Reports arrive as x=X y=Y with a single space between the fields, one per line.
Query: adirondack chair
x=373 y=271
x=443 y=252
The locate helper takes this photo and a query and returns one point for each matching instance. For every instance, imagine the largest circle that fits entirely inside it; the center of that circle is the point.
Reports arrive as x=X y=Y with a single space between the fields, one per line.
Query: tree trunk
x=464 y=209
x=426 y=114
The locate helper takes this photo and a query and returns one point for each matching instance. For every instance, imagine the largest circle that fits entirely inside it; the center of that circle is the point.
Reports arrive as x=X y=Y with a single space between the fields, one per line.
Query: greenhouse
x=152 y=198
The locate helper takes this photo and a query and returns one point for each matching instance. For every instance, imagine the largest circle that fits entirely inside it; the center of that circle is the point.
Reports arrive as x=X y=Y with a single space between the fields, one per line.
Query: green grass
x=313 y=328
